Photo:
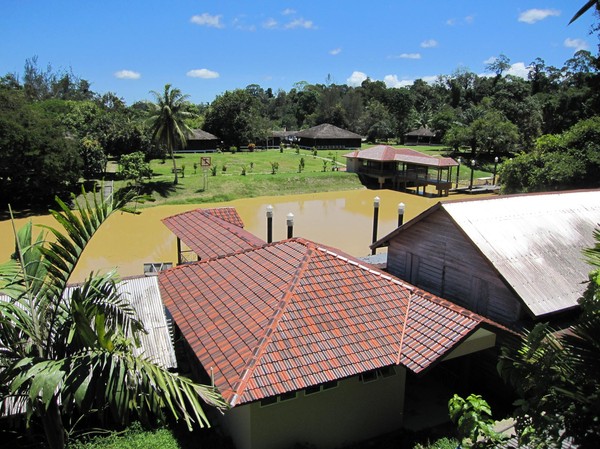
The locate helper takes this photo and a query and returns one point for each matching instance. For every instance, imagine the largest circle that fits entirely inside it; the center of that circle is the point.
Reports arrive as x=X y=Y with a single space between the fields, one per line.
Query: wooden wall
x=434 y=255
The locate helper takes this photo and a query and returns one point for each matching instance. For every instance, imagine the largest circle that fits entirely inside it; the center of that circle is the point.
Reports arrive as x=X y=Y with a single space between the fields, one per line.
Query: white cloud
x=407 y=56
x=128 y=75
x=300 y=23
x=288 y=11
x=356 y=79
x=535 y=15
x=469 y=19
x=490 y=60
x=335 y=51
x=429 y=43
x=393 y=81
x=207 y=20
x=577 y=44
x=518 y=69
x=270 y=23
x=202 y=73
x=451 y=22
x=466 y=20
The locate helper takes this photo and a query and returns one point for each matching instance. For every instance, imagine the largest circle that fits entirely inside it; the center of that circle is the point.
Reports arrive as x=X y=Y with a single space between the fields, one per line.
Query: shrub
x=224 y=168
x=251 y=147
x=274 y=167
x=243 y=170
x=233 y=149
x=213 y=170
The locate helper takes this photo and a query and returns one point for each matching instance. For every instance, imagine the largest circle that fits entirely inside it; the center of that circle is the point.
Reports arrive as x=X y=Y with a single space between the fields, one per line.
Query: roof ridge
x=267 y=335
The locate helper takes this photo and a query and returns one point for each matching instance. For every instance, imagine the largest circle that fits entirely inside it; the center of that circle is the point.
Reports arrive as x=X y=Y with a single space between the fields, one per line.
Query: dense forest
x=54 y=130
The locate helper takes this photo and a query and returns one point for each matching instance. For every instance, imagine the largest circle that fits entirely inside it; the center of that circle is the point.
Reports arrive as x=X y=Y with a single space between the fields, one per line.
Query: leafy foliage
x=473 y=417
x=556 y=375
x=67 y=353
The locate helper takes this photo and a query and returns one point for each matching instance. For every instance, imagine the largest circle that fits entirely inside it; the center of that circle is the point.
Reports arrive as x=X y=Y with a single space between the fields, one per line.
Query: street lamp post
x=269 y=223
x=290 y=225
x=459 y=160
x=472 y=173
x=495 y=167
x=401 y=208
x=375 y=220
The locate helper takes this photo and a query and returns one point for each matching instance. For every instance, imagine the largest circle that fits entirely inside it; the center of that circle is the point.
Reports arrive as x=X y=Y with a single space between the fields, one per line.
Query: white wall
x=352 y=411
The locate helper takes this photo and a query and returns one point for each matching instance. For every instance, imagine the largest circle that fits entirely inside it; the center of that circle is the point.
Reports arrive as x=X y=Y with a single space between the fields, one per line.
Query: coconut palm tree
x=167 y=120
x=63 y=356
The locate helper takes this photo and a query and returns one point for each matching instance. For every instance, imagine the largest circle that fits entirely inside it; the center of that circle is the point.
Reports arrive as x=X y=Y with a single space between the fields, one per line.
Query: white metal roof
x=535 y=242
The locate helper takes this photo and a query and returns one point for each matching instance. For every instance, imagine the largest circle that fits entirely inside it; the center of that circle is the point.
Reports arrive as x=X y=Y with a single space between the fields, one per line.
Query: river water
x=342 y=220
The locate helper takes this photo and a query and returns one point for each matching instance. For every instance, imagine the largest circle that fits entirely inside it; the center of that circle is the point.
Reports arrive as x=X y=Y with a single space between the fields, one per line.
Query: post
x=472 y=173
x=269 y=223
x=290 y=225
x=457 y=171
x=495 y=167
x=375 y=220
x=400 y=214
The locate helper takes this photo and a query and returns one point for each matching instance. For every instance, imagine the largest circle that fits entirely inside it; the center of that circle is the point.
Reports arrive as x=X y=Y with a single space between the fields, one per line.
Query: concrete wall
x=352 y=411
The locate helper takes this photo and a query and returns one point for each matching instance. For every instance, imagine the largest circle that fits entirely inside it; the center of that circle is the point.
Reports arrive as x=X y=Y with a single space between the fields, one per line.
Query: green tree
x=63 y=356
x=93 y=158
x=556 y=375
x=473 y=418
x=167 y=119
x=134 y=166
x=37 y=160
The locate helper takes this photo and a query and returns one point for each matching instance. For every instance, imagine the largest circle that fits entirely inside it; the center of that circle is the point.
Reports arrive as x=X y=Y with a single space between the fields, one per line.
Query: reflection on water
x=343 y=220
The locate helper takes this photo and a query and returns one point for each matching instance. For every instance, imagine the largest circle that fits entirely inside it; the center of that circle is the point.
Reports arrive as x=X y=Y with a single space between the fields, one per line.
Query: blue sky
x=204 y=48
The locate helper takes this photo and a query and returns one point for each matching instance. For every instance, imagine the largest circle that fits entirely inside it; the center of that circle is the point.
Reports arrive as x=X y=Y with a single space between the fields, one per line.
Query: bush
x=251 y=147
x=233 y=149
x=213 y=170
x=132 y=438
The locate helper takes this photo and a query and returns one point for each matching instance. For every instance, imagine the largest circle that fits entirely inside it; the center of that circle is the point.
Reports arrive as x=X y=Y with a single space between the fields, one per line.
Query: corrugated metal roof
x=535 y=242
x=294 y=314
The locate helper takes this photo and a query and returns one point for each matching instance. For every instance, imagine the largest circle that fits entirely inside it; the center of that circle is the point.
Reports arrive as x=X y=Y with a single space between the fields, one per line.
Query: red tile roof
x=294 y=314
x=212 y=232
x=385 y=153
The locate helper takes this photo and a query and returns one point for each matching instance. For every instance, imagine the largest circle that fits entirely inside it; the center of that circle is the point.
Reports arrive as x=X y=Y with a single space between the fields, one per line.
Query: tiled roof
x=212 y=232
x=294 y=314
x=199 y=134
x=385 y=153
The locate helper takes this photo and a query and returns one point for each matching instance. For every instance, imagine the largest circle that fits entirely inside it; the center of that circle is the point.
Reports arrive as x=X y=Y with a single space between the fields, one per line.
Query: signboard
x=205 y=161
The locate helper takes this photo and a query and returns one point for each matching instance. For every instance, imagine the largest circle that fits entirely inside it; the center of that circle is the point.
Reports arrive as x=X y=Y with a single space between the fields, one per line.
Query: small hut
x=327 y=137
x=419 y=136
x=201 y=142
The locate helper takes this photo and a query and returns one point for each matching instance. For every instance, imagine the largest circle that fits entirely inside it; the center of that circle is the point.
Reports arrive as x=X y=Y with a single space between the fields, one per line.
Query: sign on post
x=205 y=164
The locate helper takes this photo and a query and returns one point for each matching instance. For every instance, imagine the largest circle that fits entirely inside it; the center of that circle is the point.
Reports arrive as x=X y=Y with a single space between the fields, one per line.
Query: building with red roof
x=310 y=345
x=402 y=168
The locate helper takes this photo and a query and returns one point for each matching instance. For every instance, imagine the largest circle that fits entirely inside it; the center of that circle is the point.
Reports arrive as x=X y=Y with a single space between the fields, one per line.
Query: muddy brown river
x=343 y=220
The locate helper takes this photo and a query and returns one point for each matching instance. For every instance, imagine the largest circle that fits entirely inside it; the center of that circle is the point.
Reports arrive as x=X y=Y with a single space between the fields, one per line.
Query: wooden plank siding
x=436 y=256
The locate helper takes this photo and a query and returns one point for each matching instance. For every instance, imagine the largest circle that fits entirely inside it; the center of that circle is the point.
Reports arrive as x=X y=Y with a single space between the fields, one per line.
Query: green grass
x=198 y=185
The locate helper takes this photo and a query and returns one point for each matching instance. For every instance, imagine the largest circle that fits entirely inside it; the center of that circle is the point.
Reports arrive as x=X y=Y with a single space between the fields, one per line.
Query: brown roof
x=198 y=134
x=212 y=232
x=327 y=131
x=421 y=132
x=294 y=313
x=385 y=153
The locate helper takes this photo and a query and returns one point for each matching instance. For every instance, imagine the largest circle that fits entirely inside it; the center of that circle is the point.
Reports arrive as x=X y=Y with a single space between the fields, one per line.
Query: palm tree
x=586 y=7
x=64 y=356
x=168 y=121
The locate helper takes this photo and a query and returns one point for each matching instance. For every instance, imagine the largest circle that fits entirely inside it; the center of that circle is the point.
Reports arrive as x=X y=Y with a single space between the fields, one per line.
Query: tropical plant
x=167 y=119
x=67 y=352
x=473 y=417
x=556 y=375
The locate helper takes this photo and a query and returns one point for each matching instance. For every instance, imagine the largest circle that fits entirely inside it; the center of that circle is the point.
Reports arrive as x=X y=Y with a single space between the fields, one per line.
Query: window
x=387 y=371
x=268 y=401
x=312 y=390
x=317 y=388
x=287 y=396
x=368 y=376
x=329 y=385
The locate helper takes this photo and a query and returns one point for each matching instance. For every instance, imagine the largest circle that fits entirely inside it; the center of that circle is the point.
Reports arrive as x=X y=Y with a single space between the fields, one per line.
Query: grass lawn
x=252 y=174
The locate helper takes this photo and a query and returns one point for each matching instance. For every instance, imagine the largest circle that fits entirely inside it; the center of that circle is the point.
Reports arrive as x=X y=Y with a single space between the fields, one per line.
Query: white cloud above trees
x=203 y=73
x=577 y=44
x=128 y=75
x=356 y=79
x=208 y=20
x=534 y=15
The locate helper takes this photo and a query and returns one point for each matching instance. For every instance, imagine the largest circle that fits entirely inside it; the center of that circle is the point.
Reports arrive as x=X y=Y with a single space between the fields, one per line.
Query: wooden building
x=327 y=137
x=421 y=136
x=515 y=259
x=402 y=168
x=201 y=142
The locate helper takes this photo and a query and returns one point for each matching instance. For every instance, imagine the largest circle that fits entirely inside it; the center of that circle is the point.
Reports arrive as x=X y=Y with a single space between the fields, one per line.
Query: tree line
x=54 y=130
